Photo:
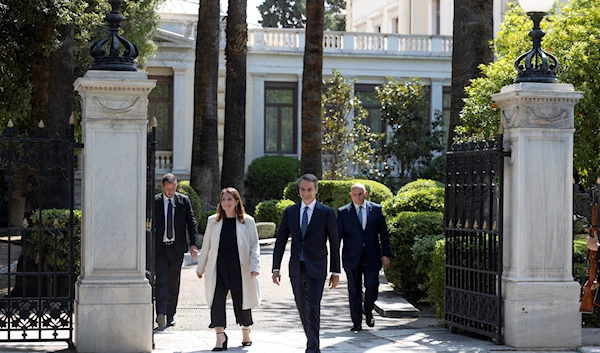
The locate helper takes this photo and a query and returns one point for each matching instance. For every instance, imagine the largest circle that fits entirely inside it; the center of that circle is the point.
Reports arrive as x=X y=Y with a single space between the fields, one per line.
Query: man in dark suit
x=310 y=224
x=364 y=233
x=172 y=215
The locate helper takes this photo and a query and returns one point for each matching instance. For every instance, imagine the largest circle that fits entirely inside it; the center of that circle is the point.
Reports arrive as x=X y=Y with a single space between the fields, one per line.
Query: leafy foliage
x=418 y=200
x=420 y=184
x=271 y=211
x=414 y=137
x=573 y=36
x=292 y=14
x=268 y=175
x=348 y=142
x=265 y=230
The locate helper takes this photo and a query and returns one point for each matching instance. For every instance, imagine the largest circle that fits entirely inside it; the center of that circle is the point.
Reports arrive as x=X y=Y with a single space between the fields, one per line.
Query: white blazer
x=249 y=251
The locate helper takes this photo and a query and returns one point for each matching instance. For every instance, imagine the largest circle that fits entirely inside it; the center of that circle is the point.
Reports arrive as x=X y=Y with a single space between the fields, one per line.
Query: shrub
x=268 y=175
x=426 y=253
x=265 y=230
x=416 y=200
x=405 y=228
x=336 y=193
x=420 y=184
x=271 y=211
x=203 y=220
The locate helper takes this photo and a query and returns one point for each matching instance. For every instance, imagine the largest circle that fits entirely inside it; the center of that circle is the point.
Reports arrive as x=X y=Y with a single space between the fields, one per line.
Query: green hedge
x=336 y=193
x=203 y=220
x=429 y=253
x=405 y=228
x=268 y=175
x=416 y=200
x=419 y=184
x=271 y=211
x=265 y=230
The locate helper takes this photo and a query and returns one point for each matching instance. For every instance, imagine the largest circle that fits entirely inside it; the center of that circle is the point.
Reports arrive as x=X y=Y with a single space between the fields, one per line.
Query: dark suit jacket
x=375 y=239
x=184 y=217
x=322 y=227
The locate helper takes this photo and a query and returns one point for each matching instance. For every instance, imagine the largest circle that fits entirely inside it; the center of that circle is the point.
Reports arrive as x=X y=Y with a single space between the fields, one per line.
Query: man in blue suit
x=364 y=233
x=310 y=224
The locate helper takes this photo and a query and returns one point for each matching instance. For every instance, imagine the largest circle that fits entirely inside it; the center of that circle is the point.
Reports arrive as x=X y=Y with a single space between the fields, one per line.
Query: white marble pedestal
x=113 y=300
x=541 y=299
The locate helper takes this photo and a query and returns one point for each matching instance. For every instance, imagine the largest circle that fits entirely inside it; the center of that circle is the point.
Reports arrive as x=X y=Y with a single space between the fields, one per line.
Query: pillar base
x=113 y=317
x=542 y=315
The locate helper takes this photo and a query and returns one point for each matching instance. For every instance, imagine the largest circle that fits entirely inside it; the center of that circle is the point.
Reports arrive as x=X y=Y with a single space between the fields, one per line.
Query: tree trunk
x=204 y=176
x=472 y=32
x=234 y=144
x=312 y=83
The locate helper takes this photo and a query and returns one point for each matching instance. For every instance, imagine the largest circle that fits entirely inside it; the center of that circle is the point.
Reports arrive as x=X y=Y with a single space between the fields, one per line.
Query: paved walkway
x=277 y=328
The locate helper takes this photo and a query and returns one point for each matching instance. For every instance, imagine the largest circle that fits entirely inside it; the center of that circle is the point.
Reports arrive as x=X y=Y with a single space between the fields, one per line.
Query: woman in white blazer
x=230 y=261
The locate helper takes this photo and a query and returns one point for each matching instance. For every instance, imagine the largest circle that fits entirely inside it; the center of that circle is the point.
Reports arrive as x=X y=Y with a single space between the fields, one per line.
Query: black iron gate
x=39 y=236
x=473 y=232
x=150 y=190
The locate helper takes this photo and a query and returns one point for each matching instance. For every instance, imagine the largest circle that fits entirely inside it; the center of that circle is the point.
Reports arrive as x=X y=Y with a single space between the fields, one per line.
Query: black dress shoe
x=356 y=328
x=370 y=320
x=172 y=322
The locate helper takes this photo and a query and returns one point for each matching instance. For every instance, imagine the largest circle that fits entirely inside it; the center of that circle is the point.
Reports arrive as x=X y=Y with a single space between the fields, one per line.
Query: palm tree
x=204 y=176
x=312 y=84
x=472 y=32
x=234 y=143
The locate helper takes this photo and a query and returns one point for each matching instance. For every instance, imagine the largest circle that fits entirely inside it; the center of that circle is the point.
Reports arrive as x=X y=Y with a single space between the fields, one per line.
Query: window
x=436 y=17
x=395 y=25
x=281 y=117
x=160 y=106
x=446 y=99
x=366 y=94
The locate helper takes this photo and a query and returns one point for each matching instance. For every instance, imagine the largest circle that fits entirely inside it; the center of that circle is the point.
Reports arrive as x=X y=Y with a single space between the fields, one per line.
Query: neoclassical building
x=397 y=39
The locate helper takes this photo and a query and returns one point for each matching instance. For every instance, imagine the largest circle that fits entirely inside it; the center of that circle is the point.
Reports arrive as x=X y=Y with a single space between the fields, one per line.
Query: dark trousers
x=308 y=293
x=355 y=284
x=168 y=276
x=217 y=311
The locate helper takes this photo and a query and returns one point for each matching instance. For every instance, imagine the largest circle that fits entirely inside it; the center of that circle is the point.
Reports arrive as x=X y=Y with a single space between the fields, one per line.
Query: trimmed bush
x=336 y=193
x=265 y=230
x=271 y=211
x=203 y=220
x=420 y=184
x=429 y=254
x=405 y=228
x=268 y=175
x=416 y=200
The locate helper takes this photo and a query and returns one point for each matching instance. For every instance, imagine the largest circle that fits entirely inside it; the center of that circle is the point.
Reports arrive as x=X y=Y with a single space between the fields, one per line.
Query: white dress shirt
x=311 y=208
x=363 y=221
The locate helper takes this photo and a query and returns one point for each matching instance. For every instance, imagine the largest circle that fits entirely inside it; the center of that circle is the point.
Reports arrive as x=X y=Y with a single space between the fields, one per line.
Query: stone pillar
x=113 y=299
x=258 y=114
x=541 y=299
x=183 y=127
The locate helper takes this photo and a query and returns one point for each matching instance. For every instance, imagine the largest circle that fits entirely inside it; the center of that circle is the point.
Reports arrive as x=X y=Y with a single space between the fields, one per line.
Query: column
x=183 y=123
x=258 y=120
x=541 y=298
x=113 y=299
x=299 y=140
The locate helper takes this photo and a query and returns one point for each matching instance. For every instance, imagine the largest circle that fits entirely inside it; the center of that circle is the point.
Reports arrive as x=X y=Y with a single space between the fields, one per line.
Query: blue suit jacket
x=375 y=238
x=322 y=227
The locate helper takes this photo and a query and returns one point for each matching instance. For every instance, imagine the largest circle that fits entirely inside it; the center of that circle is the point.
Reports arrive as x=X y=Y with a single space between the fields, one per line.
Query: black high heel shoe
x=224 y=346
x=249 y=343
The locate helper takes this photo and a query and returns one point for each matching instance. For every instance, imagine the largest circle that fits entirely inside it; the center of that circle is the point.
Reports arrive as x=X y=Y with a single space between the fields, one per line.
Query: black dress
x=229 y=278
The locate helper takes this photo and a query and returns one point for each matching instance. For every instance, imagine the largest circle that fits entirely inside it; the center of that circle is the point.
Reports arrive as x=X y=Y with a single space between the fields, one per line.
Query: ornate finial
x=56 y=224
x=153 y=122
x=475 y=225
x=72 y=120
x=538 y=66
x=41 y=124
x=467 y=224
x=485 y=226
x=25 y=223
x=458 y=225
x=450 y=224
x=114 y=61
x=494 y=226
x=10 y=123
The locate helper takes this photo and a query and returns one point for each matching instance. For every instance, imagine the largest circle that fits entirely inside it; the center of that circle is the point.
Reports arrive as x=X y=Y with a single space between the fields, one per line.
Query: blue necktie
x=304 y=225
x=360 y=217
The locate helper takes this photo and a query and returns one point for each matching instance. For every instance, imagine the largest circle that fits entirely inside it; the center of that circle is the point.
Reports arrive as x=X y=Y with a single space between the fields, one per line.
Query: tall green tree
x=472 y=31
x=204 y=177
x=348 y=143
x=414 y=138
x=312 y=84
x=234 y=143
x=573 y=36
